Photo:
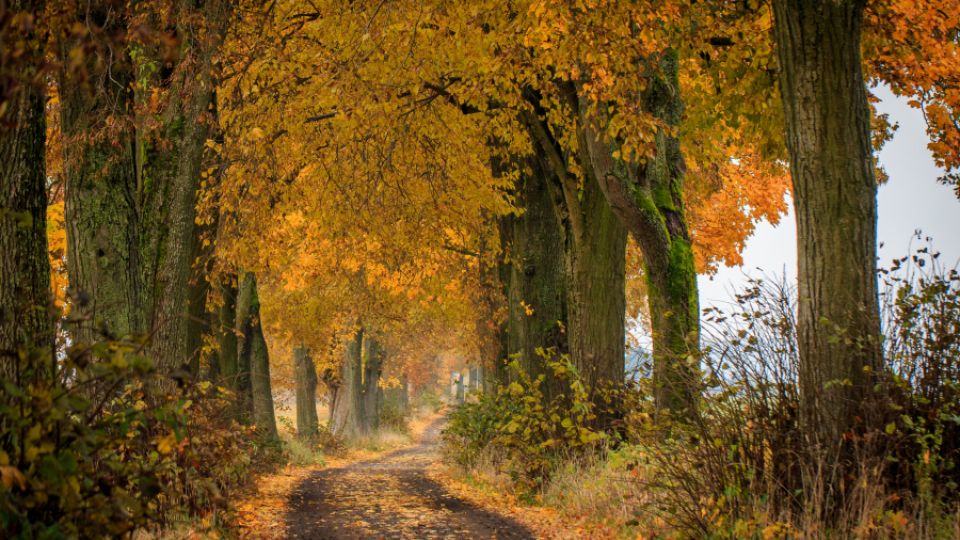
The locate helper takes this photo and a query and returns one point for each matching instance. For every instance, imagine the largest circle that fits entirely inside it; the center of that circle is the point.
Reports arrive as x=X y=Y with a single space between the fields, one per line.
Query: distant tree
x=306 y=392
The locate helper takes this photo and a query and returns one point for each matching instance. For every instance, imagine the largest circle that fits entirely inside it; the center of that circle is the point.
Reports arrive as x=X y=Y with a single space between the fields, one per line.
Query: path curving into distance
x=391 y=497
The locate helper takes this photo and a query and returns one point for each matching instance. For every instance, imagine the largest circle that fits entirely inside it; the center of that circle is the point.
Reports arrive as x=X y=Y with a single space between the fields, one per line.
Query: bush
x=532 y=434
x=110 y=446
x=743 y=466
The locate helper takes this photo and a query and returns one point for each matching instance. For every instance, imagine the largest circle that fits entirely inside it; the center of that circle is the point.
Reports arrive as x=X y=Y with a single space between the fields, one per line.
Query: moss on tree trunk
x=536 y=281
x=593 y=257
x=101 y=201
x=648 y=198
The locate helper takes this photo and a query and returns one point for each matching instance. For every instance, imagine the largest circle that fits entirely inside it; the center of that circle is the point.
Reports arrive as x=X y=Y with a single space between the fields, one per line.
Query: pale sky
x=911 y=199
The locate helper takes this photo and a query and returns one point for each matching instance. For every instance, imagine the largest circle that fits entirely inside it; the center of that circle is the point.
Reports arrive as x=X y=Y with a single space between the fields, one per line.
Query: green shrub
x=532 y=433
x=109 y=446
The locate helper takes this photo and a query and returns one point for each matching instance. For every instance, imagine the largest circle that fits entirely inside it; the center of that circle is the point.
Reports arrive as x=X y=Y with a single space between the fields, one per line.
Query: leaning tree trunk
x=536 y=286
x=835 y=198
x=25 y=299
x=373 y=358
x=306 y=390
x=252 y=352
x=347 y=407
x=649 y=200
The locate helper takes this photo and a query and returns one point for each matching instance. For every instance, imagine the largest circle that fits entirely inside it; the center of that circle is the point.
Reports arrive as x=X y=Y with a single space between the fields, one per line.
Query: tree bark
x=596 y=266
x=306 y=390
x=834 y=185
x=594 y=263
x=101 y=197
x=227 y=334
x=372 y=401
x=347 y=406
x=536 y=283
x=25 y=298
x=189 y=125
x=252 y=351
x=648 y=199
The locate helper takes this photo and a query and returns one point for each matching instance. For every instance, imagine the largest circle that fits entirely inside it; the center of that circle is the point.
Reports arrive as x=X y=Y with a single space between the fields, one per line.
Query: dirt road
x=390 y=497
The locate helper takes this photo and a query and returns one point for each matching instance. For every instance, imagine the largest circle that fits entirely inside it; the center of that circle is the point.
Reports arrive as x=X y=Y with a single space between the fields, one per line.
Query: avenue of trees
x=190 y=191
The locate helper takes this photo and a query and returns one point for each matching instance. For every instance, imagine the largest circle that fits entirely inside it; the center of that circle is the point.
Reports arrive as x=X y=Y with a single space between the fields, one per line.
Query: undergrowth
x=742 y=466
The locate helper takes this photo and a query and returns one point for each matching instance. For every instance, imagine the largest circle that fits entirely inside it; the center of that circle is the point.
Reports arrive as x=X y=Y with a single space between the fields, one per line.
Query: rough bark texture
x=189 y=123
x=596 y=266
x=131 y=193
x=372 y=401
x=648 y=198
x=252 y=351
x=102 y=200
x=594 y=254
x=347 y=402
x=306 y=390
x=25 y=300
x=536 y=282
x=831 y=163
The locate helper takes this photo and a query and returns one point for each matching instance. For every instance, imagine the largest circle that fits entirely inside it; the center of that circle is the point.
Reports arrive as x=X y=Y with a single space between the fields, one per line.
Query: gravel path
x=390 y=497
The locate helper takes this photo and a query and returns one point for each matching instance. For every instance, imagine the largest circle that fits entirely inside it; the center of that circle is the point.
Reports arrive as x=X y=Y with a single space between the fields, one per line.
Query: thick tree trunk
x=190 y=123
x=101 y=198
x=306 y=389
x=130 y=199
x=648 y=199
x=831 y=162
x=596 y=266
x=594 y=262
x=537 y=284
x=347 y=405
x=372 y=401
x=252 y=351
x=25 y=299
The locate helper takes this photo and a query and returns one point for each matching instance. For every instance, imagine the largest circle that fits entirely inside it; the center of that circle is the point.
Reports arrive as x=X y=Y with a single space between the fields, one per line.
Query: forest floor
x=400 y=492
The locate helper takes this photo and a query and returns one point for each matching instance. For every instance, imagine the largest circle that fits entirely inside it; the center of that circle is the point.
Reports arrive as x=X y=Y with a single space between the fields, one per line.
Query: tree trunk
x=190 y=123
x=227 y=334
x=372 y=401
x=347 y=406
x=835 y=198
x=101 y=194
x=306 y=389
x=596 y=267
x=25 y=299
x=648 y=198
x=404 y=395
x=594 y=263
x=537 y=285
x=252 y=351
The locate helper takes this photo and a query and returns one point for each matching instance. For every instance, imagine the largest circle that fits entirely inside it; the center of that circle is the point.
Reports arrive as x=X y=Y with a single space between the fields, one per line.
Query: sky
x=912 y=199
